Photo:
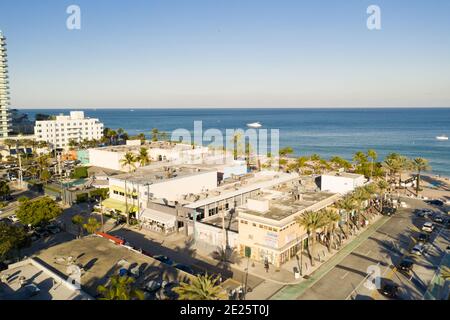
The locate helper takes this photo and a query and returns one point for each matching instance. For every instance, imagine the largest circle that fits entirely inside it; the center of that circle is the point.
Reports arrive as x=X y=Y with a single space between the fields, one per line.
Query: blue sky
x=227 y=53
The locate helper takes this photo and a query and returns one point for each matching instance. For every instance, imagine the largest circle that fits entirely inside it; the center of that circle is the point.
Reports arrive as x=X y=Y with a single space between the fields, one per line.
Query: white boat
x=442 y=137
x=254 y=125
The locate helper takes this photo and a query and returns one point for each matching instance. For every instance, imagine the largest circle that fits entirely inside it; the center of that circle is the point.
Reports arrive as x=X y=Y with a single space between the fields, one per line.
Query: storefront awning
x=166 y=219
x=118 y=205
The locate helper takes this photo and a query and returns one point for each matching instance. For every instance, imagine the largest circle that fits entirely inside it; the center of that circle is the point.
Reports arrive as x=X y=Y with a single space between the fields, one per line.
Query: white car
x=13 y=218
x=428 y=227
x=418 y=250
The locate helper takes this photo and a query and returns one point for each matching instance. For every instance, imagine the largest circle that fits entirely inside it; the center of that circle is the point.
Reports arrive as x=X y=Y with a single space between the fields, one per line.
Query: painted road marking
x=345 y=274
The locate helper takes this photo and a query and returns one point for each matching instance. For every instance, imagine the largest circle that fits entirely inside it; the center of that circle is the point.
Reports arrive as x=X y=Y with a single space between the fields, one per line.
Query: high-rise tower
x=4 y=89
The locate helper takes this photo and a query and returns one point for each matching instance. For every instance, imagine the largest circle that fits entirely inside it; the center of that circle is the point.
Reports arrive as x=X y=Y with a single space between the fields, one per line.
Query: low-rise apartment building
x=60 y=131
x=268 y=230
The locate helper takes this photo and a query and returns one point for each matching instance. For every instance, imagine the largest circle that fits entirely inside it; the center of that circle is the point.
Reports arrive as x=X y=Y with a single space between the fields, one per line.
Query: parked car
x=424 y=213
x=34 y=236
x=152 y=286
x=423 y=237
x=164 y=259
x=41 y=232
x=437 y=218
x=388 y=211
x=428 y=227
x=167 y=292
x=406 y=265
x=418 y=249
x=435 y=202
x=53 y=229
x=390 y=290
x=184 y=268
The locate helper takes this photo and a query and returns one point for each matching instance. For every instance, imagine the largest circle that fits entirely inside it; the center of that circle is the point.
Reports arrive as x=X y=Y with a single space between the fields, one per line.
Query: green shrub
x=80 y=173
x=82 y=197
x=23 y=199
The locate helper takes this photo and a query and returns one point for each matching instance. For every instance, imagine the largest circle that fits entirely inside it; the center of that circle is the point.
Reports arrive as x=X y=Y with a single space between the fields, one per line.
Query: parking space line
x=345 y=274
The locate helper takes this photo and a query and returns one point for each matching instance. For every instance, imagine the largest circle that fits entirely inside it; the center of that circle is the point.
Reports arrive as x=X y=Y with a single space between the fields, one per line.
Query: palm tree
x=372 y=154
x=143 y=157
x=10 y=143
x=284 y=152
x=332 y=218
x=236 y=141
x=311 y=221
x=347 y=204
x=129 y=160
x=78 y=221
x=155 y=134
x=225 y=256
x=420 y=164
x=360 y=158
x=92 y=225
x=301 y=163
x=360 y=195
x=382 y=186
x=73 y=144
x=120 y=288
x=201 y=288
x=445 y=273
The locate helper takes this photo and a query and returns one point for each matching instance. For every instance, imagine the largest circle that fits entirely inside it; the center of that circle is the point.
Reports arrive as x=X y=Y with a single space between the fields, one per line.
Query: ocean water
x=327 y=132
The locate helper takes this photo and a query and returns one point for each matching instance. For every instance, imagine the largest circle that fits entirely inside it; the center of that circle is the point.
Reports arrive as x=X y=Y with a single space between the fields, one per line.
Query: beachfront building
x=64 y=128
x=5 y=119
x=267 y=227
x=341 y=182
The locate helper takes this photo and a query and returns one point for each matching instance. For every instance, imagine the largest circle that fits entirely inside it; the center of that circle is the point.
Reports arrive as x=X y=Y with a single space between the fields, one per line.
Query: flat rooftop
x=240 y=185
x=285 y=206
x=345 y=175
x=31 y=272
x=156 y=173
x=100 y=258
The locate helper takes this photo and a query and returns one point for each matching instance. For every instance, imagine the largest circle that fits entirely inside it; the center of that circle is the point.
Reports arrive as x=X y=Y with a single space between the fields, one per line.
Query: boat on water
x=254 y=125
x=442 y=137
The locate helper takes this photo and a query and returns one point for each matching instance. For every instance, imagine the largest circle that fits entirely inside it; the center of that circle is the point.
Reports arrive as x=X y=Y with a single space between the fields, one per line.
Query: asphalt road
x=382 y=251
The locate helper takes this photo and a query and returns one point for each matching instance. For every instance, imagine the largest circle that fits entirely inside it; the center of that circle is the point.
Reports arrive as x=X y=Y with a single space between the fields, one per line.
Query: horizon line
x=190 y=107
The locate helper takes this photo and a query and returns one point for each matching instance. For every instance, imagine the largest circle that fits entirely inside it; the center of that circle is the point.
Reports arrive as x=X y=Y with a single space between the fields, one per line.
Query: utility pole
x=20 y=165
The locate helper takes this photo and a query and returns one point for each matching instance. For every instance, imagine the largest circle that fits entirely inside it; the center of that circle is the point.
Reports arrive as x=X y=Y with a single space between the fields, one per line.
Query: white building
x=177 y=154
x=59 y=132
x=4 y=87
x=341 y=182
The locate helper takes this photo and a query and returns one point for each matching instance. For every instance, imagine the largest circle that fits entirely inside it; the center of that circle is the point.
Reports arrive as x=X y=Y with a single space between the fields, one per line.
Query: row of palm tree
x=327 y=220
x=111 y=136
x=396 y=164
x=130 y=159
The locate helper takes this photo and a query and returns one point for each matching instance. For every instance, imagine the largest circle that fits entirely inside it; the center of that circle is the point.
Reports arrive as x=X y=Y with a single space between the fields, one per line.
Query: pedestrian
x=266 y=265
